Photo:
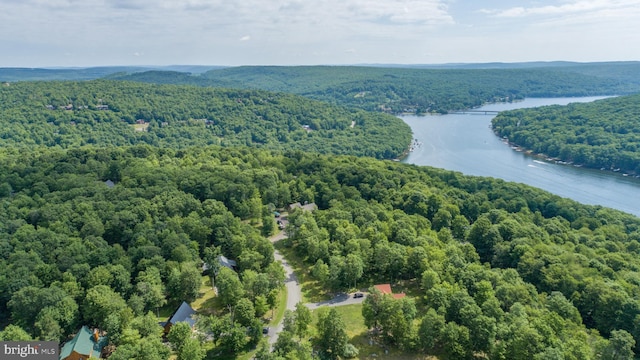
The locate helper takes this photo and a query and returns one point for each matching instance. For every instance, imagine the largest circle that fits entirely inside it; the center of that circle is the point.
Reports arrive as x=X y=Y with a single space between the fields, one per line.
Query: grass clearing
x=205 y=303
x=141 y=127
x=280 y=308
x=358 y=336
x=351 y=315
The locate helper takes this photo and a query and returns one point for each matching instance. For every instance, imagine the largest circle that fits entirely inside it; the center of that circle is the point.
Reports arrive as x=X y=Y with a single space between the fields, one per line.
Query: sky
x=82 y=33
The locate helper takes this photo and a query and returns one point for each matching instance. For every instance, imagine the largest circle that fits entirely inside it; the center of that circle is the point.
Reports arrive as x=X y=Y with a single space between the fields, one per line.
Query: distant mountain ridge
x=12 y=74
x=502 y=65
x=94 y=72
x=409 y=88
x=391 y=88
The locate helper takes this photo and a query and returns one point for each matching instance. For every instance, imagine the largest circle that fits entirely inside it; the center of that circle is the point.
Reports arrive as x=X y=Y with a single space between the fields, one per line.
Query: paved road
x=294 y=290
x=339 y=300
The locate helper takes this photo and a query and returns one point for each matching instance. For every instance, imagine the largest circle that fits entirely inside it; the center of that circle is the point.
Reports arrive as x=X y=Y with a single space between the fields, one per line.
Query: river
x=465 y=143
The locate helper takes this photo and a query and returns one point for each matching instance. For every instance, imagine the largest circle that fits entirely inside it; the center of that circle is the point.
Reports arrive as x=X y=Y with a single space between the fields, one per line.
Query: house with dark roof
x=231 y=264
x=184 y=313
x=386 y=290
x=84 y=345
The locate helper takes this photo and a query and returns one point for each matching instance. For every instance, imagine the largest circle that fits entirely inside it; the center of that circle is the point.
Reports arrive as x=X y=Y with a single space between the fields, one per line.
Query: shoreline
x=560 y=161
x=414 y=144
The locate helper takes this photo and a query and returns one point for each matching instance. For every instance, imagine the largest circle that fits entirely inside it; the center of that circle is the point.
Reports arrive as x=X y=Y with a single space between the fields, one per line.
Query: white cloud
x=397 y=11
x=107 y=32
x=570 y=8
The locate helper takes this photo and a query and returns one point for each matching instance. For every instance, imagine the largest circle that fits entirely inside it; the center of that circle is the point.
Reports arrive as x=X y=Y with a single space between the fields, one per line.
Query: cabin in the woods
x=184 y=313
x=86 y=344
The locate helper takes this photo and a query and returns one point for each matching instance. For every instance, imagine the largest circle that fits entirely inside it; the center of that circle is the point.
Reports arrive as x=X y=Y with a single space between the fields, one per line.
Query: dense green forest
x=498 y=270
x=77 y=251
x=397 y=90
x=115 y=194
x=114 y=113
x=602 y=134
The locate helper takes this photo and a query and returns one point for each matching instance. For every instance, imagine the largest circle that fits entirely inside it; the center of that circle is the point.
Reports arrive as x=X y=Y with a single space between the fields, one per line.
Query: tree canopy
x=516 y=273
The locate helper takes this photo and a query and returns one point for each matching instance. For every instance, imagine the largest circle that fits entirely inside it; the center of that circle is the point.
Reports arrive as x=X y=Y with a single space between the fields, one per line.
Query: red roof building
x=386 y=289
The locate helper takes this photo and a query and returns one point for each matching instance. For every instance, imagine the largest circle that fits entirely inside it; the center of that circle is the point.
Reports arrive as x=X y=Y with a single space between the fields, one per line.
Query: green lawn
x=205 y=303
x=357 y=332
x=280 y=308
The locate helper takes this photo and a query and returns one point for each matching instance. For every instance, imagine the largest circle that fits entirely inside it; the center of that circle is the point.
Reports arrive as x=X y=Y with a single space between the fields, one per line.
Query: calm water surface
x=466 y=143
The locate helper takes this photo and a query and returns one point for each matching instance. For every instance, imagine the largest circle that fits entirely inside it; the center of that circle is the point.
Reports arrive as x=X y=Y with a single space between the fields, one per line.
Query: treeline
x=500 y=269
x=115 y=113
x=398 y=90
x=603 y=134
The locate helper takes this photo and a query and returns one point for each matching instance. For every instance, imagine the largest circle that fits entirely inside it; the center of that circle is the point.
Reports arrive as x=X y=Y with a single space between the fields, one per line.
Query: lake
x=465 y=143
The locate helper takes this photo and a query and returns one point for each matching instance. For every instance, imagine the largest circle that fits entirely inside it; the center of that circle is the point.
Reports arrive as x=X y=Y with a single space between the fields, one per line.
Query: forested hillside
x=114 y=113
x=397 y=90
x=603 y=134
x=622 y=71
x=499 y=270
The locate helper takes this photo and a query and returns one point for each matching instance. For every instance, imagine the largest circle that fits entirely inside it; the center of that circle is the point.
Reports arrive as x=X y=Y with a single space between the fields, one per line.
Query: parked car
x=358 y=295
x=265 y=330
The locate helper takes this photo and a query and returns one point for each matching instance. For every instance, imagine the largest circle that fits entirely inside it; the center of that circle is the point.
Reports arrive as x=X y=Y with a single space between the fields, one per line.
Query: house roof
x=183 y=314
x=84 y=344
x=222 y=260
x=226 y=262
x=305 y=207
x=386 y=289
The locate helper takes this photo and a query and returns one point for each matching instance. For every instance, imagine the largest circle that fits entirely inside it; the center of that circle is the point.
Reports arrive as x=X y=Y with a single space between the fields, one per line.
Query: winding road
x=294 y=292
